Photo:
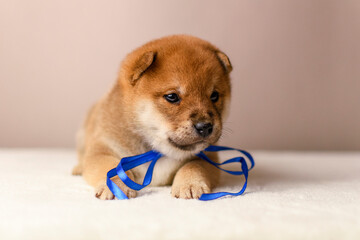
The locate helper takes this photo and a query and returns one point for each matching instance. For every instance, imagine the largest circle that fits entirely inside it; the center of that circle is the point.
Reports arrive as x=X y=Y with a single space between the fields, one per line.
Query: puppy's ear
x=224 y=60
x=141 y=65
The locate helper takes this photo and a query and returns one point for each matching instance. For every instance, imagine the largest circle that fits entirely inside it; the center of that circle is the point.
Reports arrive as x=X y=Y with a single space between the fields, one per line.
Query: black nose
x=204 y=129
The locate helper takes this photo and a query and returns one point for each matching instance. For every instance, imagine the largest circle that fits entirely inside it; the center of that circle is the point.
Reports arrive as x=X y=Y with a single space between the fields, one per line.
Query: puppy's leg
x=94 y=171
x=195 y=178
x=77 y=170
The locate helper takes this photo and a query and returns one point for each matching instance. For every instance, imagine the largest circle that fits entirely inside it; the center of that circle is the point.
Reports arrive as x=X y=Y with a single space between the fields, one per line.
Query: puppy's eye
x=172 y=98
x=214 y=96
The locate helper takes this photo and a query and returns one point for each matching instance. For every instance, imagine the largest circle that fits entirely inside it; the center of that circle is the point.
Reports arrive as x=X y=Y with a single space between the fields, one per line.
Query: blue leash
x=128 y=163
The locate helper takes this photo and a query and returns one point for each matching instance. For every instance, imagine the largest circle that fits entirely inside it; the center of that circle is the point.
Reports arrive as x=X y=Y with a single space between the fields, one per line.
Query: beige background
x=296 y=78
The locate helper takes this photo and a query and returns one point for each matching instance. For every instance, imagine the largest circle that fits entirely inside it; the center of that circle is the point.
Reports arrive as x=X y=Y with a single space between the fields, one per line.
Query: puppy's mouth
x=185 y=147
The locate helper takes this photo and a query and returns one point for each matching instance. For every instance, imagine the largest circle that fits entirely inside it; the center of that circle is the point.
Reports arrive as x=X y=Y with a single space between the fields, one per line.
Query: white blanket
x=291 y=195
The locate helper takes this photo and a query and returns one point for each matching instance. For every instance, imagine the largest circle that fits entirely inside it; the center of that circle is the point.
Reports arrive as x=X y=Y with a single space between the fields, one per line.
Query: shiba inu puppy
x=172 y=96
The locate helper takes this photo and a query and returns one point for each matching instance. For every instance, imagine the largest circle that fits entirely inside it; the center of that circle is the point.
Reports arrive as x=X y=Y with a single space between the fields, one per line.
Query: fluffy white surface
x=290 y=196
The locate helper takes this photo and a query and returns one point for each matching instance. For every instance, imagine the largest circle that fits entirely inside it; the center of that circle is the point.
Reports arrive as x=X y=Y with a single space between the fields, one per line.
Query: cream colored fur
x=135 y=117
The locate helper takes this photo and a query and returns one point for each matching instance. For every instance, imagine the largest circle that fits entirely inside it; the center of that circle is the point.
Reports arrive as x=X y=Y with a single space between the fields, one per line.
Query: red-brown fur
x=135 y=117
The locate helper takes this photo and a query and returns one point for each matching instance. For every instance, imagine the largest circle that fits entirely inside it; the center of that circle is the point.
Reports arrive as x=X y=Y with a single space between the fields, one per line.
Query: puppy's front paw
x=103 y=192
x=189 y=190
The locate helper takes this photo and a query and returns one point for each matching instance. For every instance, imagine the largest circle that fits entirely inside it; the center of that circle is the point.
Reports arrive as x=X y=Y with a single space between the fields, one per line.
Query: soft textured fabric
x=291 y=195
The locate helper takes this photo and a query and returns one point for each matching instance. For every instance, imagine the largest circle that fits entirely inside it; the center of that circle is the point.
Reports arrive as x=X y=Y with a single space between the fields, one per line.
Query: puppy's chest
x=164 y=171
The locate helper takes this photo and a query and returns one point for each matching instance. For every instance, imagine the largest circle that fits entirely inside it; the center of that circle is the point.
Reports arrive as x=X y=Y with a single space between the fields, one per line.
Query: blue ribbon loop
x=128 y=163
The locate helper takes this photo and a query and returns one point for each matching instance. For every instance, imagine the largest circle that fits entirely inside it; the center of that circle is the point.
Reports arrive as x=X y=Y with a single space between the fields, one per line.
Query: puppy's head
x=178 y=90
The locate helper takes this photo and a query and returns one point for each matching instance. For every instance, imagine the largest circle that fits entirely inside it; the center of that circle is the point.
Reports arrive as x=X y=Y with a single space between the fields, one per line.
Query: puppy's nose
x=203 y=129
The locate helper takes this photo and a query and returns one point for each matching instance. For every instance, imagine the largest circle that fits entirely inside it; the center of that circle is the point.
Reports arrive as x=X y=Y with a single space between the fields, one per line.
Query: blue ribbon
x=128 y=163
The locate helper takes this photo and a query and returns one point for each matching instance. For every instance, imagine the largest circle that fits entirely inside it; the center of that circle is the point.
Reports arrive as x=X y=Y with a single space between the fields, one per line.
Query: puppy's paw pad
x=189 y=191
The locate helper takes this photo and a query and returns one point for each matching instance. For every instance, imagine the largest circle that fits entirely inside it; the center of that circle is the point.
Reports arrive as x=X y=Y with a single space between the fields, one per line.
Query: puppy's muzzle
x=203 y=129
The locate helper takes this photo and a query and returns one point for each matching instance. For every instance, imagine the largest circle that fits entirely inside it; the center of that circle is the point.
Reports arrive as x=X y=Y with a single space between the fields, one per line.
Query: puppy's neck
x=120 y=123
